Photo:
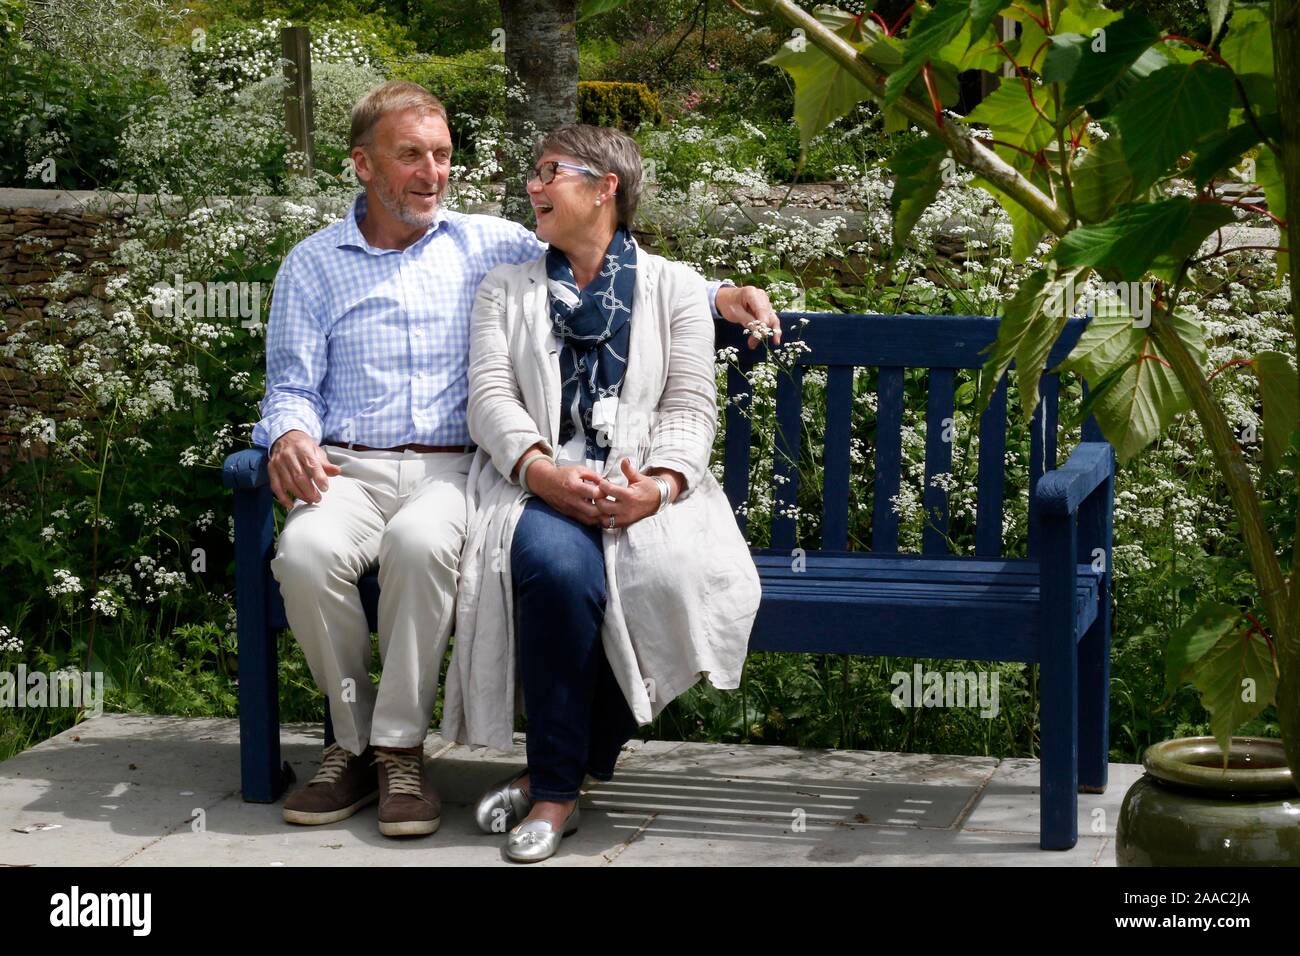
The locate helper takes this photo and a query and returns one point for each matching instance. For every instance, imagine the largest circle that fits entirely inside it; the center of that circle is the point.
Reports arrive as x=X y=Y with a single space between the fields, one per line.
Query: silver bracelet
x=664 y=492
x=523 y=471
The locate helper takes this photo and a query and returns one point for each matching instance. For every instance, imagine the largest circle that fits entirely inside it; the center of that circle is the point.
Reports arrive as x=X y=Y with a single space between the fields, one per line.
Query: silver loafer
x=535 y=841
x=503 y=805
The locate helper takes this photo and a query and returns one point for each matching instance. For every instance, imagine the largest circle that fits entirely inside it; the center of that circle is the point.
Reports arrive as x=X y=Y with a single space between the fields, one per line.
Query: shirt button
x=417 y=332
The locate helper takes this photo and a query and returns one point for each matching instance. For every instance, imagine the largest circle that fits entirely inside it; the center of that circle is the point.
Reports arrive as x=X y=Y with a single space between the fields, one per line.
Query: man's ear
x=361 y=164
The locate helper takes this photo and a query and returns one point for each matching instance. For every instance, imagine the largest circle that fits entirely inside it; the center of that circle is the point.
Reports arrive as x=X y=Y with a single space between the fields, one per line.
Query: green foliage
x=627 y=106
x=470 y=84
x=719 y=73
x=11 y=21
x=68 y=113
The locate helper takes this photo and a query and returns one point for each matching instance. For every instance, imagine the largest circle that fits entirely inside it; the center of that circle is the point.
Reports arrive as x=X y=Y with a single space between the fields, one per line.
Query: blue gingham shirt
x=371 y=345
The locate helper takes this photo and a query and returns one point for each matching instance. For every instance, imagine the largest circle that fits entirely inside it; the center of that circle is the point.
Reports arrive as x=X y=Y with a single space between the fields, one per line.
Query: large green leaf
x=1219 y=10
x=1208 y=624
x=1164 y=114
x=1220 y=150
x=917 y=169
x=1083 y=18
x=1248 y=46
x=1026 y=334
x=1101 y=179
x=982 y=15
x=823 y=90
x=1010 y=114
x=932 y=29
x=1281 y=396
x=1237 y=681
x=973 y=48
x=1141 y=402
x=1106 y=59
x=1205 y=218
x=1136 y=235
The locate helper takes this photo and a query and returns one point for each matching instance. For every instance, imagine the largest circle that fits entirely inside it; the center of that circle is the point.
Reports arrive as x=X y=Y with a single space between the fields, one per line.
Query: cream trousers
x=406 y=511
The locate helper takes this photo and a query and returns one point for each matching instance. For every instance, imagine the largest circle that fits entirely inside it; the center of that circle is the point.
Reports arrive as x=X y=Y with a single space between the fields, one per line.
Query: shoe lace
x=404 y=772
x=332 y=765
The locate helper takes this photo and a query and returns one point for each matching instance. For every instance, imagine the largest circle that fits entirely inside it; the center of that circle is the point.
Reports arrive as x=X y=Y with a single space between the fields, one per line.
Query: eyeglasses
x=546 y=171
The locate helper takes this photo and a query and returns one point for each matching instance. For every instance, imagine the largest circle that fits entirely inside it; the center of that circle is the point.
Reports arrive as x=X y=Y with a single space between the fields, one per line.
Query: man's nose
x=429 y=167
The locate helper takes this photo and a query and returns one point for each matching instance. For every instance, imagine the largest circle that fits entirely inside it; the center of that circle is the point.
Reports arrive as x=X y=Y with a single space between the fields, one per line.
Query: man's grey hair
x=605 y=150
x=391 y=97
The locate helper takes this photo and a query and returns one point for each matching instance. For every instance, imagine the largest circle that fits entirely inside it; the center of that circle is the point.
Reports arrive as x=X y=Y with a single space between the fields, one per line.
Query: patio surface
x=126 y=790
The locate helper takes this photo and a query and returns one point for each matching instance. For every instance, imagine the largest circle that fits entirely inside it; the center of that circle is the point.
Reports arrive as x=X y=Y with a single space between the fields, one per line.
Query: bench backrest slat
x=943 y=345
x=835 y=461
x=735 y=458
x=939 y=435
x=889 y=458
x=992 y=472
x=785 y=464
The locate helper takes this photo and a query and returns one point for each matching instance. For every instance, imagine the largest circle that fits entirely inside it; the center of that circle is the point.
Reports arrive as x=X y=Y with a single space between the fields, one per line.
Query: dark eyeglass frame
x=546 y=171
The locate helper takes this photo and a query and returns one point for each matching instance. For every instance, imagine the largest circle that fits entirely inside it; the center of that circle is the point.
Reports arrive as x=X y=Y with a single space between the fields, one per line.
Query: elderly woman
x=603 y=572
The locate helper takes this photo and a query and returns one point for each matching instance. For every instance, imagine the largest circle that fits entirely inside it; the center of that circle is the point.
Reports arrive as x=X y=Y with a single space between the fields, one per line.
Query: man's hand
x=297 y=466
x=569 y=489
x=640 y=499
x=749 y=306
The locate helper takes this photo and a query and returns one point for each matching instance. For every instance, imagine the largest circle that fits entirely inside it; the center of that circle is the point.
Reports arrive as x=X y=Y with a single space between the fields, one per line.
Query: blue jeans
x=578 y=718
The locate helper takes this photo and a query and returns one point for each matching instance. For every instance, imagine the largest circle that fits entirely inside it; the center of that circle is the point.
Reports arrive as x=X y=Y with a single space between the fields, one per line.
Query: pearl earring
x=597 y=202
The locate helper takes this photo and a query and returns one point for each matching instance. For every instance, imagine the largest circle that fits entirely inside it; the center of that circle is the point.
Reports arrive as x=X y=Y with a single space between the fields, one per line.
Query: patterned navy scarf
x=592 y=324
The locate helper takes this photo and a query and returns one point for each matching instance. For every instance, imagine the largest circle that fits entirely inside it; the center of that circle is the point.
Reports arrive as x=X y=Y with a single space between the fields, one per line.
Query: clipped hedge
x=624 y=105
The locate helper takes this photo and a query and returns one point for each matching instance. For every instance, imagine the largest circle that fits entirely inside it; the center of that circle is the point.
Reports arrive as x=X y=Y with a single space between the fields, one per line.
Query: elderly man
x=365 y=418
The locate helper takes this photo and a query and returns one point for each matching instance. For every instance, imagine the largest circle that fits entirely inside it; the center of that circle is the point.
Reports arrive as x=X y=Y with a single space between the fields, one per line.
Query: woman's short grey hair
x=605 y=150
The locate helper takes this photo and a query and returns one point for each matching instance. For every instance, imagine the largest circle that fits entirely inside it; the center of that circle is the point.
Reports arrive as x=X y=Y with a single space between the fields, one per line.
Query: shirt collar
x=352 y=235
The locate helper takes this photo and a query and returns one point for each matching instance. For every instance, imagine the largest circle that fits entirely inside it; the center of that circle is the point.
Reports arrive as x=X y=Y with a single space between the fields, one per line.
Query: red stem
x=928 y=75
x=1029 y=13
x=906 y=13
x=883 y=25
x=1157 y=358
x=1226 y=365
x=1182 y=39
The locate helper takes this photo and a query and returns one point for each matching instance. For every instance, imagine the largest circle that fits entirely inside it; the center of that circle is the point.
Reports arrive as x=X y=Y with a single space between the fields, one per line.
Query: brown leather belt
x=451 y=449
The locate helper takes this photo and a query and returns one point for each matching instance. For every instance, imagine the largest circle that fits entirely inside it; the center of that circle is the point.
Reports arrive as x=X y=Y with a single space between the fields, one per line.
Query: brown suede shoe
x=343 y=785
x=408 y=804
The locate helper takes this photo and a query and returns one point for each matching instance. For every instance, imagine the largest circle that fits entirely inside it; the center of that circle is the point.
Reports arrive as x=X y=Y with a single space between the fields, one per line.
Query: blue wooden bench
x=1052 y=608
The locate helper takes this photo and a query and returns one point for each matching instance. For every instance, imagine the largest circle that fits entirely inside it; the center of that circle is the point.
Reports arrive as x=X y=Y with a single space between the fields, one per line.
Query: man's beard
x=398 y=206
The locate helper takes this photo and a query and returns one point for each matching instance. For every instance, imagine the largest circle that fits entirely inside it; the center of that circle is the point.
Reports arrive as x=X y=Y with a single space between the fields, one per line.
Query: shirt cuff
x=713 y=295
x=271 y=429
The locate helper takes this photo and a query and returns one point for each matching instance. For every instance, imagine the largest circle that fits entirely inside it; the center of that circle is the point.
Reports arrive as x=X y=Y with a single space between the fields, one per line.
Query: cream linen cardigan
x=682 y=590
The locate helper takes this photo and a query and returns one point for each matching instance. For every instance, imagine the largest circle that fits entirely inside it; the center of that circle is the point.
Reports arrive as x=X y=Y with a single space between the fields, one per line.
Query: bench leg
x=261 y=774
x=1058 y=688
x=1094 y=708
x=259 y=720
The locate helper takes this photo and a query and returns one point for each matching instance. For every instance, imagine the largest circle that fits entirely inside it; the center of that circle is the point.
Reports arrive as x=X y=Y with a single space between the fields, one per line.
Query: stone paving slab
x=129 y=790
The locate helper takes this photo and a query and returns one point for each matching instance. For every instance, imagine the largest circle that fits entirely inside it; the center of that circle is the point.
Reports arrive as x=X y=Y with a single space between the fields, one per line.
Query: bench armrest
x=245 y=469
x=1062 y=490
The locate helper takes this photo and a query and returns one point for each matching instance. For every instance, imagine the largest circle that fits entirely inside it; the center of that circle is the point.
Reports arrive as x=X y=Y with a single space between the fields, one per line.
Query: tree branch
x=966 y=149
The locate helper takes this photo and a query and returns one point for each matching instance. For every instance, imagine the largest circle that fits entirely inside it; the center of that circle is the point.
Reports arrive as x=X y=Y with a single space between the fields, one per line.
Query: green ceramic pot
x=1187 y=810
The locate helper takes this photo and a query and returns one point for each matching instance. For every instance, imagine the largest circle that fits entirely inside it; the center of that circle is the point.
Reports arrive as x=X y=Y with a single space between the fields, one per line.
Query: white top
x=604 y=414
